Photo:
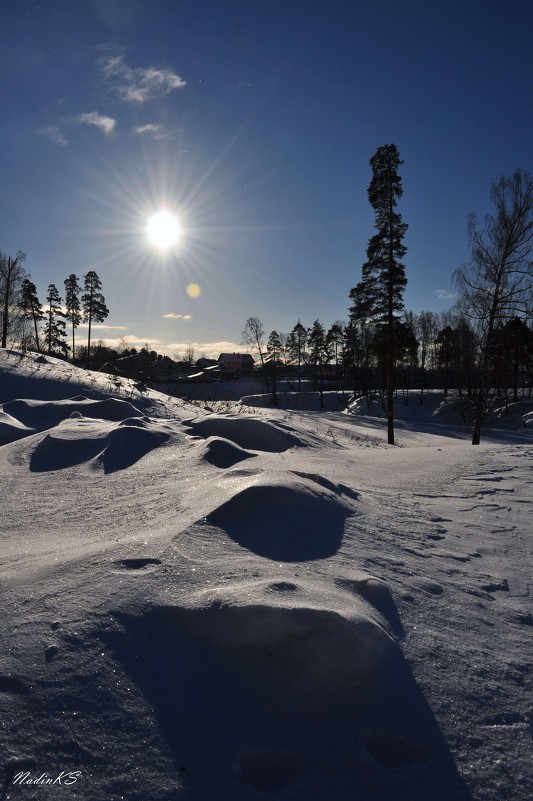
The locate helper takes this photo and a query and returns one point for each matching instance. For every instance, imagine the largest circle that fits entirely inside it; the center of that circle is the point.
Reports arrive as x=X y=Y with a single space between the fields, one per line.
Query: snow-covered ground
x=258 y=604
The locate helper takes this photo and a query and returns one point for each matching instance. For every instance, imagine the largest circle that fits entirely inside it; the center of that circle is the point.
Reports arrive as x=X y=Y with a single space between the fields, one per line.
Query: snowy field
x=240 y=603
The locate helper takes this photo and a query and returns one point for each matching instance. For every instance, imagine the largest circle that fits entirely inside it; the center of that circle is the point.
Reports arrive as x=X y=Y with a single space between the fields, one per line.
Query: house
x=202 y=363
x=236 y=363
x=164 y=369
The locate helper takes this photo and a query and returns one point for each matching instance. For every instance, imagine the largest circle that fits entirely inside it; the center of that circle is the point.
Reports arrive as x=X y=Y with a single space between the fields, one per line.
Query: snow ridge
x=257 y=605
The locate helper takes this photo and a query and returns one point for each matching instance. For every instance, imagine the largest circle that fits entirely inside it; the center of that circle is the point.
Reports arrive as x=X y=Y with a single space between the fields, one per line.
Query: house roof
x=233 y=357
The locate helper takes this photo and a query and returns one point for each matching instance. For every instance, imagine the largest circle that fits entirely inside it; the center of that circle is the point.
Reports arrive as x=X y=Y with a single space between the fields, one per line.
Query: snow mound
x=407 y=406
x=510 y=416
x=297 y=401
x=28 y=375
x=287 y=523
x=322 y=481
x=527 y=420
x=12 y=429
x=514 y=415
x=58 y=449
x=312 y=700
x=290 y=645
x=223 y=453
x=453 y=412
x=37 y=415
x=79 y=440
x=128 y=444
x=247 y=432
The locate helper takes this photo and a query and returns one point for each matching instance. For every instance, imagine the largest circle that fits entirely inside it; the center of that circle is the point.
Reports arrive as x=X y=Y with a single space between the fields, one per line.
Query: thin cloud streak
x=175 y=316
x=55 y=134
x=132 y=341
x=443 y=294
x=150 y=129
x=104 y=124
x=137 y=85
x=103 y=327
x=211 y=349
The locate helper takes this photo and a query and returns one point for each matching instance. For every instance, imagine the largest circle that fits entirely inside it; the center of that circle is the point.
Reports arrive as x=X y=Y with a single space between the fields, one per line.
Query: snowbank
x=260 y=607
x=310 y=401
x=248 y=433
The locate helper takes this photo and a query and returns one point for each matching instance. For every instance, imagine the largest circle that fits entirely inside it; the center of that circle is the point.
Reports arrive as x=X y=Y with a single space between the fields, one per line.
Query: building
x=235 y=364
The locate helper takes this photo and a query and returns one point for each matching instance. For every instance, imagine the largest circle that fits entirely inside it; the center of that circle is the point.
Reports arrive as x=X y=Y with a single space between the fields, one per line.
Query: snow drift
x=257 y=607
x=248 y=433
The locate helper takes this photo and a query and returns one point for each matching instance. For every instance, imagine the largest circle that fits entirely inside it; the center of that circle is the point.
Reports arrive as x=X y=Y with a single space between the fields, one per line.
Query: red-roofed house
x=236 y=363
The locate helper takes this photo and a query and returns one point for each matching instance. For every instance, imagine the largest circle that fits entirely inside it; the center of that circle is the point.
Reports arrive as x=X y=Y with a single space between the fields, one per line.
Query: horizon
x=255 y=127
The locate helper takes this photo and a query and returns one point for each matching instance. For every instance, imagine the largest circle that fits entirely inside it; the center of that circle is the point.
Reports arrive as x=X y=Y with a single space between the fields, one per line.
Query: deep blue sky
x=255 y=120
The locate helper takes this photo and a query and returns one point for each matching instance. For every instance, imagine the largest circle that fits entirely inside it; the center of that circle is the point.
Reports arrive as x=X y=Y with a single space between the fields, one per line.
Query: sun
x=163 y=229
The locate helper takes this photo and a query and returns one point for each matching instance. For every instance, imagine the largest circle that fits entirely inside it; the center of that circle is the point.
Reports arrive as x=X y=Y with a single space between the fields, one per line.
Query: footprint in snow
x=283 y=586
x=145 y=564
x=50 y=653
x=435 y=536
x=496 y=586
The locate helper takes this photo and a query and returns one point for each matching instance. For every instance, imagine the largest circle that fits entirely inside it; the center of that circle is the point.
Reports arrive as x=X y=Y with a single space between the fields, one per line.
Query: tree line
x=25 y=321
x=481 y=347
x=437 y=351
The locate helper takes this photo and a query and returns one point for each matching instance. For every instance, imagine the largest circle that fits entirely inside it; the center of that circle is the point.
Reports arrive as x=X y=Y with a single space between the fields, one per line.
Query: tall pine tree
x=319 y=355
x=94 y=307
x=31 y=307
x=296 y=346
x=54 y=331
x=335 y=338
x=274 y=354
x=378 y=297
x=73 y=306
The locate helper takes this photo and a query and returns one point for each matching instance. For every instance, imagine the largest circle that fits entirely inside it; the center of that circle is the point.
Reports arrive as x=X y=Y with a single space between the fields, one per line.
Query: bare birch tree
x=497 y=283
x=11 y=275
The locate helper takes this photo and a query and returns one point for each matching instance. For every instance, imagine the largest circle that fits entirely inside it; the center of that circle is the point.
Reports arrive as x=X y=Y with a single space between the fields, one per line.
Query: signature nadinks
x=65 y=777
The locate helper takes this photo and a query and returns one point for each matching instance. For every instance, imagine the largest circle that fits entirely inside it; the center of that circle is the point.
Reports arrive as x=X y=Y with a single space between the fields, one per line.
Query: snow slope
x=257 y=604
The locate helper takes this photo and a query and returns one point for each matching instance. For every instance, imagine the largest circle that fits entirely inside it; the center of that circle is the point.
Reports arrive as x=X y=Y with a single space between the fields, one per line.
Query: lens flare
x=194 y=291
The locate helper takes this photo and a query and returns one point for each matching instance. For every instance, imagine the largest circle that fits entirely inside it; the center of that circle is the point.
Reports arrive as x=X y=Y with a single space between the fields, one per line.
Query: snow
x=248 y=432
x=255 y=603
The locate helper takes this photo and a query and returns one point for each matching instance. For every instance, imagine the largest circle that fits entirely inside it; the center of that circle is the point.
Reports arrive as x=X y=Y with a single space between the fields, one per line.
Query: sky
x=254 y=121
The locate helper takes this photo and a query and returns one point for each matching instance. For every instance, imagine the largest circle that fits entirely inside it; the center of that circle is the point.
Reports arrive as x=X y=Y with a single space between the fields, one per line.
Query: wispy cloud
x=55 y=134
x=132 y=341
x=103 y=327
x=175 y=316
x=137 y=85
x=104 y=124
x=210 y=349
x=151 y=129
x=443 y=294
